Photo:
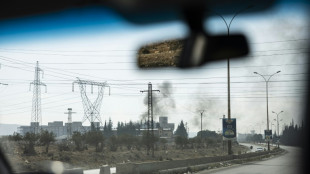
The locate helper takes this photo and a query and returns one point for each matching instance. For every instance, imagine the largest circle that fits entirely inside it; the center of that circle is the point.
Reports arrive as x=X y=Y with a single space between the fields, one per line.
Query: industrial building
x=57 y=127
x=162 y=129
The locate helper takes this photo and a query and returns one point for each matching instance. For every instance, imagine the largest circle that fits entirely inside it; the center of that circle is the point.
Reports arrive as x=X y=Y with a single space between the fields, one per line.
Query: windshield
x=71 y=90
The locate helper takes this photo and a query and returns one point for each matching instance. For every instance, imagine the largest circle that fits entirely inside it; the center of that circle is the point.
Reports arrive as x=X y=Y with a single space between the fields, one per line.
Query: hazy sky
x=106 y=51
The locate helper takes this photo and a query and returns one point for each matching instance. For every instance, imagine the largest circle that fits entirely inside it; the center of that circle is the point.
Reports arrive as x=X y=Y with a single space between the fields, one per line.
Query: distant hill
x=8 y=129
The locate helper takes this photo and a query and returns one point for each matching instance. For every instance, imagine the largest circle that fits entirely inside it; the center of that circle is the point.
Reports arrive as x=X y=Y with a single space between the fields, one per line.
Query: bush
x=30 y=141
x=63 y=147
x=113 y=144
x=65 y=158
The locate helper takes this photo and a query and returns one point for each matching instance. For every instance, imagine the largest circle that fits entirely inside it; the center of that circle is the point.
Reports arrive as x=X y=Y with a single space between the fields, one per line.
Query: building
x=57 y=127
x=163 y=123
x=162 y=129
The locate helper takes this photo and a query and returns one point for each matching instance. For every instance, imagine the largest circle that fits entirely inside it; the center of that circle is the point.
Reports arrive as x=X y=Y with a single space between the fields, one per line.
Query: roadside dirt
x=89 y=159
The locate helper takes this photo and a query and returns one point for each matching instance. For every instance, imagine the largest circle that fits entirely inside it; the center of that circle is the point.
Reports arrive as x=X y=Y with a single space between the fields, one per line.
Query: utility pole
x=69 y=124
x=91 y=109
x=36 y=117
x=150 y=116
x=278 y=141
x=222 y=130
x=267 y=80
x=228 y=67
x=201 y=113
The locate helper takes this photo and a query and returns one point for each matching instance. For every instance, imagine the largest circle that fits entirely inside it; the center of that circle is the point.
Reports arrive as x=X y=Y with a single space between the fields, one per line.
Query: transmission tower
x=69 y=124
x=36 y=117
x=150 y=116
x=91 y=109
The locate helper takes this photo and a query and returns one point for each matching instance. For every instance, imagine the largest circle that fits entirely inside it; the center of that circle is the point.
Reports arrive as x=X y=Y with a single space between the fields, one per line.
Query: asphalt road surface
x=289 y=163
x=255 y=146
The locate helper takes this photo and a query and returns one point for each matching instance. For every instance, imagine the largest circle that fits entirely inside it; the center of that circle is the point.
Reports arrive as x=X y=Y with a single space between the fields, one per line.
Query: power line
x=123 y=56
x=291 y=40
x=64 y=70
x=42 y=97
x=104 y=50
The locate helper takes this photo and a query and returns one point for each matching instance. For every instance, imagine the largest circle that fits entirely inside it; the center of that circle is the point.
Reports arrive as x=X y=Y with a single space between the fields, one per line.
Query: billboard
x=268 y=135
x=229 y=128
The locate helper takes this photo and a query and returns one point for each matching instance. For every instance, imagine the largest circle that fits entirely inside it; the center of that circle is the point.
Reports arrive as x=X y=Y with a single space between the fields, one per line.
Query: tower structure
x=91 y=108
x=36 y=117
x=69 y=124
x=150 y=116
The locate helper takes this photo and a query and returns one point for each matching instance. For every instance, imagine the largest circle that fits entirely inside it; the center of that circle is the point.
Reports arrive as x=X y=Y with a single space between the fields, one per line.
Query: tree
x=255 y=138
x=15 y=137
x=46 y=138
x=208 y=134
x=181 y=141
x=107 y=129
x=30 y=140
x=127 y=140
x=292 y=135
x=163 y=143
x=127 y=128
x=77 y=138
x=113 y=143
x=95 y=138
x=181 y=131
x=148 y=140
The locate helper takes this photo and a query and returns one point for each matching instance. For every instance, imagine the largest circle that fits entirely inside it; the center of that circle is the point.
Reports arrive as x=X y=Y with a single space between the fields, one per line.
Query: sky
x=105 y=51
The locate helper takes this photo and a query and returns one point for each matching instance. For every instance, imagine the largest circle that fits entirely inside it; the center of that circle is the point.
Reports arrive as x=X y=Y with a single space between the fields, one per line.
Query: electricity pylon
x=36 y=117
x=91 y=109
x=150 y=116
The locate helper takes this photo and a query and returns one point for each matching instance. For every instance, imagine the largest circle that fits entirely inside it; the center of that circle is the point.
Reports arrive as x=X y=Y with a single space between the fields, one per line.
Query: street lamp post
x=222 y=130
x=278 y=125
x=271 y=129
x=228 y=68
x=267 y=80
x=201 y=123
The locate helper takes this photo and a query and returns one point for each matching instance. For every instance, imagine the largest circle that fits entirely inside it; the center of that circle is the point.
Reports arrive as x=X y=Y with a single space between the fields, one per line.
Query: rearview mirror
x=162 y=54
x=193 y=51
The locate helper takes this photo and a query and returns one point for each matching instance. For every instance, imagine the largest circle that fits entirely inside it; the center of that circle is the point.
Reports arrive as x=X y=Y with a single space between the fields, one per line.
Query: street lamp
x=278 y=124
x=228 y=66
x=271 y=129
x=201 y=112
x=267 y=80
x=222 y=131
x=272 y=125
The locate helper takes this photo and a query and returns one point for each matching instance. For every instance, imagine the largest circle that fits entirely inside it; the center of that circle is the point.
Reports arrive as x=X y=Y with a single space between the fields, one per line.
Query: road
x=289 y=163
x=255 y=146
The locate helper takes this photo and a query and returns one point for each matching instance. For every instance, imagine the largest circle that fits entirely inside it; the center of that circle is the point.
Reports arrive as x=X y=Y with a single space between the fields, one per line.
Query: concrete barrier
x=150 y=167
x=105 y=169
x=73 y=171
